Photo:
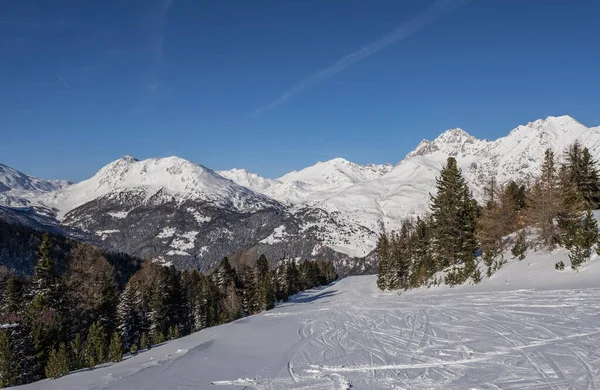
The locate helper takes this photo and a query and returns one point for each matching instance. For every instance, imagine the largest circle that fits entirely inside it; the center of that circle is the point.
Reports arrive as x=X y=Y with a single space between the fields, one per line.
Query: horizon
x=233 y=85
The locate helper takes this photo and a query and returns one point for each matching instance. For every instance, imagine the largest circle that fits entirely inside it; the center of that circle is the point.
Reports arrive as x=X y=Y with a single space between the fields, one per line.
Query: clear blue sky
x=85 y=82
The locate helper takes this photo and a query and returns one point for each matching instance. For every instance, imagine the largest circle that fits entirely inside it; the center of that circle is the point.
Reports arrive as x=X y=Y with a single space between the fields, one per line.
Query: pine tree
x=76 y=358
x=58 y=362
x=107 y=309
x=158 y=310
x=453 y=217
x=11 y=304
x=8 y=370
x=95 y=345
x=115 y=350
x=517 y=194
x=129 y=315
x=545 y=202
x=582 y=173
x=585 y=238
x=144 y=342
x=423 y=266
x=46 y=310
x=589 y=186
x=384 y=268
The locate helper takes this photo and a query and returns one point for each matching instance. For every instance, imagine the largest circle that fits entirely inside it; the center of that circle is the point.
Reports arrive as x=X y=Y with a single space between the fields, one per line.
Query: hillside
x=529 y=326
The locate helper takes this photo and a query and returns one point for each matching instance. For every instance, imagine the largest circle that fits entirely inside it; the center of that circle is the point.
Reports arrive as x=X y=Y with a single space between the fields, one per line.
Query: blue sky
x=83 y=83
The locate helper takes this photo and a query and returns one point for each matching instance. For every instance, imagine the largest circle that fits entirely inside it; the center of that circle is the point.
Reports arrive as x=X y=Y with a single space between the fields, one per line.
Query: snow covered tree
x=129 y=315
x=158 y=310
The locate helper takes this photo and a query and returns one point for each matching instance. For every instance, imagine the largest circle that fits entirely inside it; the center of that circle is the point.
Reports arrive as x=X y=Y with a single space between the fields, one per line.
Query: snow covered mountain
x=20 y=190
x=185 y=213
x=318 y=180
x=157 y=180
x=404 y=191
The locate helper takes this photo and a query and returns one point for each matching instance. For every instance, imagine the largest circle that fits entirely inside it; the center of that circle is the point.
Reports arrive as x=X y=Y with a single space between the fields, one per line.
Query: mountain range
x=176 y=211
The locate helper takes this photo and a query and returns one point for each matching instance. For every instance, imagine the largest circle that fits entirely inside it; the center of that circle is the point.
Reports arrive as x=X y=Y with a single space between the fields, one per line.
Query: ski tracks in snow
x=509 y=340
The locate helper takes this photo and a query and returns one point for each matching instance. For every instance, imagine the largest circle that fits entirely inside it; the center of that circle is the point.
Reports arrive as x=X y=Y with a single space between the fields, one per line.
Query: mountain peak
x=456 y=135
x=129 y=158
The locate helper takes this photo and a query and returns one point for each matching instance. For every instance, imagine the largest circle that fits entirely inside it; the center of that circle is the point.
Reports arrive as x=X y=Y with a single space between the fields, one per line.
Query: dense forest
x=459 y=235
x=91 y=312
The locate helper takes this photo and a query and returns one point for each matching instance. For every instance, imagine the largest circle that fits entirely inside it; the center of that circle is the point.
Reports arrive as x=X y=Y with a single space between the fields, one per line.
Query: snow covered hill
x=20 y=190
x=528 y=327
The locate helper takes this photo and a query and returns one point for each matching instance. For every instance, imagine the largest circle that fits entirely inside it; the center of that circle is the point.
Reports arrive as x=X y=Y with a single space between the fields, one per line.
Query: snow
x=275 y=237
x=167 y=232
x=20 y=190
x=529 y=326
x=119 y=214
x=184 y=241
x=104 y=233
x=198 y=216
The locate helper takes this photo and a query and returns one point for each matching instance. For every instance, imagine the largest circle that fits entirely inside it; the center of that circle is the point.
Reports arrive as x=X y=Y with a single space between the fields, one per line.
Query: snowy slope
x=20 y=190
x=528 y=327
x=170 y=177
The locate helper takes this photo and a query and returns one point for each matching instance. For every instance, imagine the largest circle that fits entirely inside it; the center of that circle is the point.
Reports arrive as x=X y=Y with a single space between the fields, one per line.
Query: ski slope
x=495 y=335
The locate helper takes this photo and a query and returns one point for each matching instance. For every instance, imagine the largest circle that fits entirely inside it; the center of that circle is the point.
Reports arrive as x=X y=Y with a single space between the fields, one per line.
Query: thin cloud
x=430 y=15
x=63 y=81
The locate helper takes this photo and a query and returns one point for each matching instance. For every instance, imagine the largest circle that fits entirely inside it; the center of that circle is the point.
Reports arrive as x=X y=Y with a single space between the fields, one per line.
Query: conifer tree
x=453 y=217
x=384 y=268
x=11 y=304
x=585 y=238
x=423 y=266
x=517 y=194
x=8 y=370
x=129 y=315
x=115 y=350
x=58 y=362
x=95 y=345
x=76 y=356
x=46 y=308
x=589 y=186
x=144 y=344
x=107 y=309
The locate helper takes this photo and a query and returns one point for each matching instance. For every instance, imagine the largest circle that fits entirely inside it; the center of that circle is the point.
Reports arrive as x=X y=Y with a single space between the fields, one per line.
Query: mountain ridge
x=180 y=211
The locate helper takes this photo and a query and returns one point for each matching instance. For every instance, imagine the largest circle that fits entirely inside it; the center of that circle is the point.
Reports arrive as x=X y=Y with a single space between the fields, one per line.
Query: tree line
x=54 y=323
x=459 y=234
